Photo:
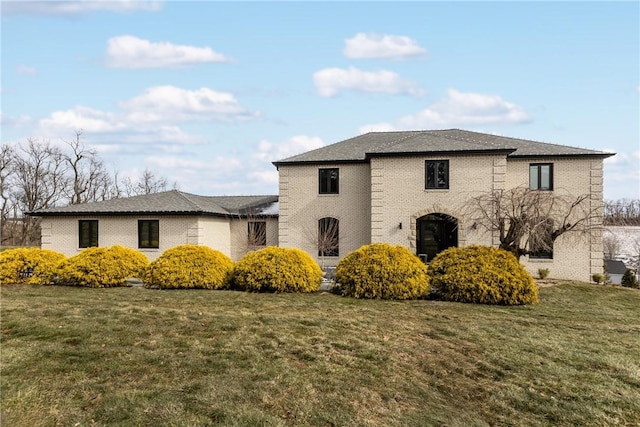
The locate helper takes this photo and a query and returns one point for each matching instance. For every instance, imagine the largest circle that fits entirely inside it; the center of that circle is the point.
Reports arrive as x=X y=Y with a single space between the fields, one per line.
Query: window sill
x=328 y=194
x=441 y=190
x=540 y=260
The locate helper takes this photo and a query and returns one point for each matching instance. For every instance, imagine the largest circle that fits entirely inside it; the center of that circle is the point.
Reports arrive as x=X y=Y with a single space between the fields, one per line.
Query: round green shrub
x=481 y=275
x=629 y=280
x=103 y=267
x=275 y=269
x=189 y=267
x=29 y=266
x=382 y=271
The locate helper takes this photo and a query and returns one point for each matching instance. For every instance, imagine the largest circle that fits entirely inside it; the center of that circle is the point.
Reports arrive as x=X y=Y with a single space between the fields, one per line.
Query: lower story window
x=87 y=233
x=148 y=233
x=257 y=234
x=328 y=237
x=541 y=241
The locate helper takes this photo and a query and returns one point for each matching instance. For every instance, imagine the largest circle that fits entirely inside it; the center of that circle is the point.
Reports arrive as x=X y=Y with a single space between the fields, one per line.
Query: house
x=407 y=187
x=155 y=222
x=411 y=187
x=615 y=270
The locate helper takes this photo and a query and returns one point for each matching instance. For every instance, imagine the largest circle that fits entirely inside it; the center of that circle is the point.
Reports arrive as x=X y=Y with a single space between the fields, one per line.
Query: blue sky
x=208 y=94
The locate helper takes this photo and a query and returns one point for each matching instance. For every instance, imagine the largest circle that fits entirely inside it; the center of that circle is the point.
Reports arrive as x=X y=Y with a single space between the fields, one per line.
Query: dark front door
x=436 y=232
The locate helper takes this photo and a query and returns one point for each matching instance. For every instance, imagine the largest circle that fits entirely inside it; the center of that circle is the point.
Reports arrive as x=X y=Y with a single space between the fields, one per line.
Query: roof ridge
x=475 y=141
x=411 y=134
x=190 y=201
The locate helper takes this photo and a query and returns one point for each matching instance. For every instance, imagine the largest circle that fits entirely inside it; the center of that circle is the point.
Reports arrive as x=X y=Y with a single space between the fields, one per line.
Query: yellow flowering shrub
x=189 y=266
x=382 y=271
x=275 y=269
x=29 y=266
x=481 y=275
x=103 y=267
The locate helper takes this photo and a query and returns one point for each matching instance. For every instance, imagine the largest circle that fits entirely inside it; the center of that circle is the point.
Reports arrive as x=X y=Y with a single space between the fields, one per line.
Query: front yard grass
x=139 y=357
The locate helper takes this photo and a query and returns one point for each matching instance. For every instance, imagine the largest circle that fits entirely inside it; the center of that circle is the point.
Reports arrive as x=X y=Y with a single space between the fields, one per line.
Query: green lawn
x=133 y=356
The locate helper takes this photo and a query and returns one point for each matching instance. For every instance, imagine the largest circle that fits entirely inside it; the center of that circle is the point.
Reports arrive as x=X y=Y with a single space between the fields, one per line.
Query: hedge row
x=473 y=274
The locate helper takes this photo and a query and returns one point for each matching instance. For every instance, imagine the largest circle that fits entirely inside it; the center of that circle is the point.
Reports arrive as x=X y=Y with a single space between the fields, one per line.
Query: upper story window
x=148 y=233
x=541 y=176
x=328 y=181
x=87 y=233
x=436 y=174
x=256 y=234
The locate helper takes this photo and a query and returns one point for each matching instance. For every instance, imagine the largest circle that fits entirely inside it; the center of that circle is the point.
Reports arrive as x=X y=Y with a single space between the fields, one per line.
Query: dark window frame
x=326 y=249
x=88 y=236
x=328 y=183
x=431 y=175
x=259 y=229
x=538 y=168
x=149 y=232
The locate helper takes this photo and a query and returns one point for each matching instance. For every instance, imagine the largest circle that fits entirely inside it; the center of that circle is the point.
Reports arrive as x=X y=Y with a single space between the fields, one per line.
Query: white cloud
x=81 y=117
x=151 y=118
x=459 y=109
x=269 y=151
x=171 y=162
x=614 y=159
x=331 y=81
x=172 y=104
x=27 y=70
x=15 y=121
x=622 y=175
x=133 y=52
x=77 y=7
x=382 y=46
x=265 y=176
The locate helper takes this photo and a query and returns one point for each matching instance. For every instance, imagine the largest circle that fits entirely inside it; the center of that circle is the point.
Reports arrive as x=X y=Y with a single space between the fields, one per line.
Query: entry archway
x=435 y=232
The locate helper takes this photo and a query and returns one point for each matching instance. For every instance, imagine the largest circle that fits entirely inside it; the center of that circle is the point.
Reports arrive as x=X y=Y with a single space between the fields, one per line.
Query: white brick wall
x=301 y=207
x=375 y=198
x=239 y=235
x=61 y=233
x=575 y=255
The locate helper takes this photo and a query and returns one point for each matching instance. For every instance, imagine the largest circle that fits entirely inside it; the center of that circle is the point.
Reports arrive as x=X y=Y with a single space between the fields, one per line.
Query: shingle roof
x=360 y=148
x=172 y=202
x=613 y=266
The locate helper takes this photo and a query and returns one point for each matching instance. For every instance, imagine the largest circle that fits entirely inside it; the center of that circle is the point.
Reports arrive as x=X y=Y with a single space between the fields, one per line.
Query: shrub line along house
x=406 y=187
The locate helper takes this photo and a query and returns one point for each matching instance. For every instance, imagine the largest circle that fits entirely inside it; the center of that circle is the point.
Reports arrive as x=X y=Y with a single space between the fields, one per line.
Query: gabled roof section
x=172 y=202
x=451 y=141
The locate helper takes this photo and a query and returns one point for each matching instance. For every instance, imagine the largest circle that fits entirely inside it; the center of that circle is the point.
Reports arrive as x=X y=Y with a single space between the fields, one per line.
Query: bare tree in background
x=612 y=245
x=622 y=212
x=7 y=156
x=147 y=184
x=529 y=221
x=36 y=174
x=39 y=181
x=90 y=180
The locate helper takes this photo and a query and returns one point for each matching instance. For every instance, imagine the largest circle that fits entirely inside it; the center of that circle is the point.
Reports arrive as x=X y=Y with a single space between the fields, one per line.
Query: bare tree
x=612 y=245
x=622 y=212
x=7 y=156
x=90 y=180
x=528 y=221
x=147 y=184
x=39 y=181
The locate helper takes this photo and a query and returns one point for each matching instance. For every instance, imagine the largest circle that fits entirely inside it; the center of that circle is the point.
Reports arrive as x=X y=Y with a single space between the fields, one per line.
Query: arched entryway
x=434 y=233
